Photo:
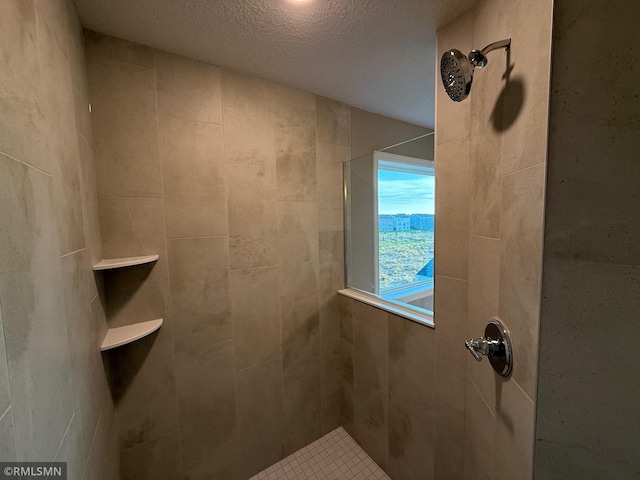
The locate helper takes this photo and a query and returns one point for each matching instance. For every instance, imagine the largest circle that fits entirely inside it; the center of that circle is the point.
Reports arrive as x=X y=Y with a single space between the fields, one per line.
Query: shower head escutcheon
x=456 y=70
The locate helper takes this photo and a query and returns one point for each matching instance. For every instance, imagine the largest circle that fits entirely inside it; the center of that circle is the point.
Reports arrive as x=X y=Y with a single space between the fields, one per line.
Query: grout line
x=164 y=221
x=64 y=436
x=479 y=394
x=485 y=237
x=113 y=60
x=117 y=197
x=39 y=170
x=523 y=169
x=91 y=451
x=72 y=253
x=254 y=268
x=11 y=399
x=451 y=278
x=166 y=434
x=5 y=412
x=196 y=238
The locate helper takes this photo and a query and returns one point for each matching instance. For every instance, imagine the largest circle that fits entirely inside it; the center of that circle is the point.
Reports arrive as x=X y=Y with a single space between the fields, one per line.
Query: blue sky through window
x=408 y=193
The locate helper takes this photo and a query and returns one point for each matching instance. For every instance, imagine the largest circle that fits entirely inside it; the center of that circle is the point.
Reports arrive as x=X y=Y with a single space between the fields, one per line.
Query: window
x=390 y=227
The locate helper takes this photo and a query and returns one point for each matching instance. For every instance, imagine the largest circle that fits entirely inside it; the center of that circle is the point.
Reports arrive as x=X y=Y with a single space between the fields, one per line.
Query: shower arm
x=478 y=58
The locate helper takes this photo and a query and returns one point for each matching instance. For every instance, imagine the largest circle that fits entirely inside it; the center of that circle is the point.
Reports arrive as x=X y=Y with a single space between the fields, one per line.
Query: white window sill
x=389 y=306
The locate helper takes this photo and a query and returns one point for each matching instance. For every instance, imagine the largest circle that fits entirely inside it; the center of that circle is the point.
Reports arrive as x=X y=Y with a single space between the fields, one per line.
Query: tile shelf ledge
x=116 y=337
x=111 y=263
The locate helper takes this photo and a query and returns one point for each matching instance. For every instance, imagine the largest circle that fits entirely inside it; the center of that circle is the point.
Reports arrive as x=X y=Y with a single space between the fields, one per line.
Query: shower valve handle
x=496 y=345
x=472 y=349
x=484 y=346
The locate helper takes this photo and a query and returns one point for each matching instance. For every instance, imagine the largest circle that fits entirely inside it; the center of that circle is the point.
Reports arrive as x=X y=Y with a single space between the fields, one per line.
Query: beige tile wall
x=432 y=411
x=54 y=397
x=236 y=183
x=490 y=174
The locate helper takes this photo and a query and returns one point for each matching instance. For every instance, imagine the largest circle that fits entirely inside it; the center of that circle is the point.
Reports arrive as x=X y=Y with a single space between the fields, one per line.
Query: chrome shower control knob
x=496 y=344
x=472 y=347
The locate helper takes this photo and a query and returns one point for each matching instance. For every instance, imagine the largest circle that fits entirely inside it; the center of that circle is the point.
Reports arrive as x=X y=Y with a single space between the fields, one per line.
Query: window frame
x=417 y=166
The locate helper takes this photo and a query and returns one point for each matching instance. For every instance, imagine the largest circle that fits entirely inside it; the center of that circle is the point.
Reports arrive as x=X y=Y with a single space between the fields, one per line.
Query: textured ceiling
x=378 y=55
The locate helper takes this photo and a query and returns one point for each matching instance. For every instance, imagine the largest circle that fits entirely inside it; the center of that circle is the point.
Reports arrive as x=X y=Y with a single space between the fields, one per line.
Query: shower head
x=456 y=70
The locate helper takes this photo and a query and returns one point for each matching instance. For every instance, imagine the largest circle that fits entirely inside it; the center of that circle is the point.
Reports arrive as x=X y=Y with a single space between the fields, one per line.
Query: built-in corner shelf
x=111 y=263
x=116 y=337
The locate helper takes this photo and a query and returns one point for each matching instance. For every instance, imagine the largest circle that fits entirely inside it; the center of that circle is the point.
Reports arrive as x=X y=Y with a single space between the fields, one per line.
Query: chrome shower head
x=456 y=70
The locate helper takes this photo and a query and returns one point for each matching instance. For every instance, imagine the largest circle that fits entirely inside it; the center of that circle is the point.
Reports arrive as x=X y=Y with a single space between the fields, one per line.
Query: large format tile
x=101 y=466
x=479 y=435
x=33 y=314
x=452 y=209
x=251 y=206
x=514 y=427
x=451 y=331
x=125 y=129
x=330 y=189
x=454 y=181
x=520 y=268
x=200 y=304
x=78 y=67
x=188 y=89
x=412 y=368
x=206 y=400
x=255 y=309
x=23 y=132
x=295 y=147
x=330 y=412
x=7 y=437
x=373 y=436
x=346 y=382
x=370 y=374
x=330 y=280
x=130 y=227
x=449 y=445
x=485 y=177
x=195 y=199
x=67 y=179
x=91 y=218
x=5 y=392
x=411 y=445
x=346 y=319
x=452 y=118
x=298 y=259
x=302 y=413
x=218 y=464
x=526 y=95
x=367 y=314
x=248 y=107
x=333 y=122
x=144 y=388
x=484 y=281
x=117 y=49
x=72 y=448
x=300 y=323
x=86 y=367
x=259 y=398
x=157 y=458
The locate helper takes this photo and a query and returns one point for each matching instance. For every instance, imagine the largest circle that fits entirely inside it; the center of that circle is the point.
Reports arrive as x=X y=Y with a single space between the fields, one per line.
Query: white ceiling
x=378 y=55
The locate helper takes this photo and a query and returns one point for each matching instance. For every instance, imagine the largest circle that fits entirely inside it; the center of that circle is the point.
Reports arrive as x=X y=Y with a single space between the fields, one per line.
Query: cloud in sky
x=405 y=193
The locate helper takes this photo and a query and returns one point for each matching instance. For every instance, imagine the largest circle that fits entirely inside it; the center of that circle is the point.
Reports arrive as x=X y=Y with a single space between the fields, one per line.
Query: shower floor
x=336 y=456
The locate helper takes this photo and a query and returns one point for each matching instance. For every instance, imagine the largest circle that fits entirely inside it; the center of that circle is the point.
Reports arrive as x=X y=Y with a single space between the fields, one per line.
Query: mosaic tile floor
x=336 y=456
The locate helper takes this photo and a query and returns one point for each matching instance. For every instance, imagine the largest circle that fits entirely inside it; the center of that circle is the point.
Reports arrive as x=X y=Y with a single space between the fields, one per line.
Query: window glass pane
x=405 y=224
